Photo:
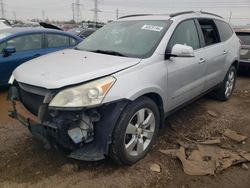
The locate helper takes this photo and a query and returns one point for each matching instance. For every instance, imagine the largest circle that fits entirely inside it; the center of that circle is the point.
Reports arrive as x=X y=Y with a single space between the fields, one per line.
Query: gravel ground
x=25 y=163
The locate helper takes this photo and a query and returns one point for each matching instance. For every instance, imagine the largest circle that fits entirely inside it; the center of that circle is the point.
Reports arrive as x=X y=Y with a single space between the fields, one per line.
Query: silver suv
x=110 y=95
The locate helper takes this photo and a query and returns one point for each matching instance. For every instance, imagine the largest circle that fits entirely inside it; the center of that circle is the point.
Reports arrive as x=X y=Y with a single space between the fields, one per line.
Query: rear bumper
x=52 y=129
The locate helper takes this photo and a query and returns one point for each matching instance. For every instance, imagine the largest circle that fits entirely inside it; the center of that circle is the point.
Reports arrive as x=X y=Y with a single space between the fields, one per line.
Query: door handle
x=224 y=52
x=202 y=61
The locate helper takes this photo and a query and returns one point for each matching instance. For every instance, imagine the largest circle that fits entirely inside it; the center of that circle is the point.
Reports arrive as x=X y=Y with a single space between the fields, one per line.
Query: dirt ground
x=25 y=163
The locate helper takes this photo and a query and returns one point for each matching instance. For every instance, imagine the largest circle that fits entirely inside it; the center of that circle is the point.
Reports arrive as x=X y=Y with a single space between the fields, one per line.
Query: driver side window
x=185 y=33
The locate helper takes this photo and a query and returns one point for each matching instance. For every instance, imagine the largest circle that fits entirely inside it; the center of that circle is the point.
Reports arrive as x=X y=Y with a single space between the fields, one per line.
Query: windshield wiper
x=109 y=52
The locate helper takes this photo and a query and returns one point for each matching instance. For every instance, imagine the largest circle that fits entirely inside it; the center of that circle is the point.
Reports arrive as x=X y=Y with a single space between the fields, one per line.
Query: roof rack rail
x=180 y=13
x=134 y=15
x=203 y=12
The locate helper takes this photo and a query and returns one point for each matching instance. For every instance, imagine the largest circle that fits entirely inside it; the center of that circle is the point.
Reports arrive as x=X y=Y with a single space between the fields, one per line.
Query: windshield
x=137 y=39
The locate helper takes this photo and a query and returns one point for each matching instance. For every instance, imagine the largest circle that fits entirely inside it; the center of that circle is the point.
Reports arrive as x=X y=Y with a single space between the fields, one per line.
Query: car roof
x=173 y=16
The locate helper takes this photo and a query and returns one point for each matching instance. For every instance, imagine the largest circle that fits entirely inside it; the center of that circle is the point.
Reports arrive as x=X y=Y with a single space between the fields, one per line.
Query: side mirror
x=180 y=50
x=8 y=51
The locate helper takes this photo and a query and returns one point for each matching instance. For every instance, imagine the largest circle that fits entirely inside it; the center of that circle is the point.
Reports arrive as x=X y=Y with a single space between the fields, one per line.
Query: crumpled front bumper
x=52 y=130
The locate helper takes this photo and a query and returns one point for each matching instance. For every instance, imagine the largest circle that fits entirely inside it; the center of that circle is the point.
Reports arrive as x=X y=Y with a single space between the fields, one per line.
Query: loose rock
x=155 y=168
x=211 y=113
x=69 y=168
x=244 y=166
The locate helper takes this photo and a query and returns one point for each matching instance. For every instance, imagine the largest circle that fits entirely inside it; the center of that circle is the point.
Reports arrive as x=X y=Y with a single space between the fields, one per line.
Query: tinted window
x=209 y=31
x=26 y=42
x=185 y=33
x=224 y=29
x=2 y=46
x=55 y=40
x=244 y=37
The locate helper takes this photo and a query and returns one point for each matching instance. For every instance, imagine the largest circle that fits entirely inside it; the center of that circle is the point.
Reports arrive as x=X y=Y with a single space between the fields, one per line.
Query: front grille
x=31 y=97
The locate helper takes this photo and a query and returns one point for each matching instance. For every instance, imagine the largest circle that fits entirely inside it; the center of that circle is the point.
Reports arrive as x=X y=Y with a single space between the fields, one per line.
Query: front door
x=186 y=75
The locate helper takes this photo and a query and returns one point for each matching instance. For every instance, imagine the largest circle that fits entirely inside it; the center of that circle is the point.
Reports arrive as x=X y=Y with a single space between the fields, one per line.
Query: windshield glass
x=127 y=38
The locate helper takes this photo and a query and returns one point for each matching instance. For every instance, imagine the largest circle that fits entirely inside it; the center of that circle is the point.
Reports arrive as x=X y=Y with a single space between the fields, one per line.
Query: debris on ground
x=155 y=168
x=245 y=155
x=244 y=166
x=208 y=159
x=234 y=135
x=211 y=142
x=211 y=113
x=69 y=168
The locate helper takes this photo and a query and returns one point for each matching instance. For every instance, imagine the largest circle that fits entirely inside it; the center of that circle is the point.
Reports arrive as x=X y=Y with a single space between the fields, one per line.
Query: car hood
x=70 y=67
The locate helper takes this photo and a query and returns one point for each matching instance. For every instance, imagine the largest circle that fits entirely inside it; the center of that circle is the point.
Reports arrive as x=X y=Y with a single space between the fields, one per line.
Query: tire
x=225 y=91
x=135 y=132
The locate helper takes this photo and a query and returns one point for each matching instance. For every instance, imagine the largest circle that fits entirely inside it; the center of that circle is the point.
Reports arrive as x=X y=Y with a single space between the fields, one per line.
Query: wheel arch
x=235 y=64
x=159 y=102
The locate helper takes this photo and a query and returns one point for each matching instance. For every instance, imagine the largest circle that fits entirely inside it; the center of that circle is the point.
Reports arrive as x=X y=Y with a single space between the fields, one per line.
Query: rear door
x=186 y=75
x=214 y=52
x=27 y=47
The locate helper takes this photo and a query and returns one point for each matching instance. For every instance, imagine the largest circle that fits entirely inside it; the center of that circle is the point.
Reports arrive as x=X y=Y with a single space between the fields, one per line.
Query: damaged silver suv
x=109 y=96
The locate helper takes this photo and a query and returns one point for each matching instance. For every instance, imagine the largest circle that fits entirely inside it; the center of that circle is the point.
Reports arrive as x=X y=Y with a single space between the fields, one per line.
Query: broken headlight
x=89 y=94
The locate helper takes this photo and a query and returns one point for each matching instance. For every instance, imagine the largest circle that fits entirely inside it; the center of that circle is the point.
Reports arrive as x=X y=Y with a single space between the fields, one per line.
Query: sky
x=62 y=9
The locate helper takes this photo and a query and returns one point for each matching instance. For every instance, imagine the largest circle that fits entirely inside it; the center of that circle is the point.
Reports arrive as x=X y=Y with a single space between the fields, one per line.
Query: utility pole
x=73 y=10
x=76 y=8
x=117 y=13
x=43 y=14
x=78 y=11
x=96 y=11
x=14 y=15
x=2 y=7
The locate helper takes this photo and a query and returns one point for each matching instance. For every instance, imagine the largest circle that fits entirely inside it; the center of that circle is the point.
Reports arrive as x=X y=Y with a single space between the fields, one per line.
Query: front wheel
x=225 y=91
x=135 y=131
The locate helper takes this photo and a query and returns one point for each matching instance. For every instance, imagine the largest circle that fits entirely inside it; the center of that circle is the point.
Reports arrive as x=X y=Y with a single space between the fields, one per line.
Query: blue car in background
x=18 y=45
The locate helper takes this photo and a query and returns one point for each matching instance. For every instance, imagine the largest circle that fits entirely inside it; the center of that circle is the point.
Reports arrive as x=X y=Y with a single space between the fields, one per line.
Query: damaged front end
x=86 y=132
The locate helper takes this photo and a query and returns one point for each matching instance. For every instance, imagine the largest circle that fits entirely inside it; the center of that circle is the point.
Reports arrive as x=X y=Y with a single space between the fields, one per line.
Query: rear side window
x=244 y=37
x=26 y=42
x=185 y=33
x=210 y=32
x=55 y=40
x=225 y=30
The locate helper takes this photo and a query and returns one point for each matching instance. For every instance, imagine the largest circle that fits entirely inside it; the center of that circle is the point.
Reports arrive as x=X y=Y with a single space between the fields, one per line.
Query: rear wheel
x=135 y=132
x=225 y=91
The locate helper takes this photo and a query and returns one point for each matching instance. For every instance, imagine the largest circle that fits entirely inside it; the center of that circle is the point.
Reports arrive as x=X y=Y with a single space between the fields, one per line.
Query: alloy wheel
x=139 y=132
